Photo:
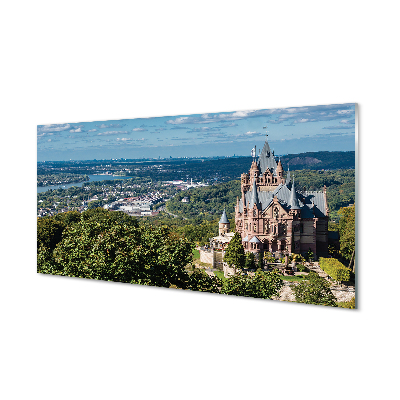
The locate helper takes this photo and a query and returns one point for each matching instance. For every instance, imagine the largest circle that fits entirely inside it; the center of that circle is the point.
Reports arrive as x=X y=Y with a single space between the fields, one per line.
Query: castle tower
x=224 y=224
x=279 y=172
x=271 y=215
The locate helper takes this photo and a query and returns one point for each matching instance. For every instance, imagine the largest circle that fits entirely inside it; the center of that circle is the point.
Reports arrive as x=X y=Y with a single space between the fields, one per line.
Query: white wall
x=80 y=61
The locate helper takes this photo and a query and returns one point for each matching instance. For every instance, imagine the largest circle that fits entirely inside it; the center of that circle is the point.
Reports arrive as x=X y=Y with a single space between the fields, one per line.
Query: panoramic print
x=257 y=203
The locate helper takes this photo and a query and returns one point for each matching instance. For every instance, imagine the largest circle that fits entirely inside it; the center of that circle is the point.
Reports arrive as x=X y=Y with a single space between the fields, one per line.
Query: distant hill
x=209 y=169
x=320 y=160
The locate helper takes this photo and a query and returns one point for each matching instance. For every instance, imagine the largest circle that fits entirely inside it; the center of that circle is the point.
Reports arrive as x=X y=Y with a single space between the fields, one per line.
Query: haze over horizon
x=290 y=131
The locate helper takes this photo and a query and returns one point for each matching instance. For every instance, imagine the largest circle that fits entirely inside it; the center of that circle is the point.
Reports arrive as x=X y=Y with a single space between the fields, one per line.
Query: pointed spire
x=254 y=196
x=294 y=202
x=224 y=218
x=288 y=175
x=266 y=159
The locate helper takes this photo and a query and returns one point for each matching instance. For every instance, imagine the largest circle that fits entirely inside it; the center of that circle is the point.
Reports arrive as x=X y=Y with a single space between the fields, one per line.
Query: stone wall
x=207 y=256
x=227 y=270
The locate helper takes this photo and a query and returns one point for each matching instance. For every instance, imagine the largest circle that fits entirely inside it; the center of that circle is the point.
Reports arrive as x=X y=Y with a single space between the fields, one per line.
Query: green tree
x=309 y=255
x=262 y=285
x=314 y=290
x=49 y=232
x=250 y=263
x=112 y=251
x=347 y=231
x=200 y=281
x=234 y=255
x=260 y=263
x=50 y=229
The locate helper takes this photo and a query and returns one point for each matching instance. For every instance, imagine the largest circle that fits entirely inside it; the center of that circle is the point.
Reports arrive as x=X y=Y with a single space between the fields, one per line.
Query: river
x=92 y=178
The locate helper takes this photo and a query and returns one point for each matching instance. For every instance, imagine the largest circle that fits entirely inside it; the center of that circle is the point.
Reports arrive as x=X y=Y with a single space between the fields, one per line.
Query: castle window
x=276 y=213
x=255 y=213
x=255 y=228
x=266 y=227
x=247 y=226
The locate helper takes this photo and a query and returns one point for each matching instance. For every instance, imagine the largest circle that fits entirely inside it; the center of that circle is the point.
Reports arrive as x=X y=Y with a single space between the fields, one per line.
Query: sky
x=290 y=131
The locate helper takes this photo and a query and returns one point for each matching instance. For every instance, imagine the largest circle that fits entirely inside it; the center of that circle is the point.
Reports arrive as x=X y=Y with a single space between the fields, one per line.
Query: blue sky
x=290 y=130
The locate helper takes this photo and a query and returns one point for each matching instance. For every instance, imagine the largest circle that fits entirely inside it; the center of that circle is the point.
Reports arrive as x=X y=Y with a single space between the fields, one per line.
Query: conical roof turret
x=254 y=196
x=224 y=218
x=294 y=202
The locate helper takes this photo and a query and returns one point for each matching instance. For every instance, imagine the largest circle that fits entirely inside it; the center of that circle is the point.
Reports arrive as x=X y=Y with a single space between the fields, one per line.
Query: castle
x=273 y=216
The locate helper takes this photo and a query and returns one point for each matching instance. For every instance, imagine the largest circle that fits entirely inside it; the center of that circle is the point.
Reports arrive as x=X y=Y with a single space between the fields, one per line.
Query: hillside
x=207 y=203
x=207 y=169
x=320 y=160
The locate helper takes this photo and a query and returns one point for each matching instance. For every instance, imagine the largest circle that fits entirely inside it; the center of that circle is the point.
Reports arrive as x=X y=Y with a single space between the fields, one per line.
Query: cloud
x=148 y=126
x=43 y=135
x=347 y=121
x=347 y=112
x=212 y=134
x=300 y=115
x=92 y=130
x=227 y=125
x=106 y=126
x=107 y=133
x=53 y=128
x=139 y=130
x=180 y=120
x=76 y=130
x=297 y=114
x=209 y=118
x=338 y=127
x=248 y=135
x=204 y=129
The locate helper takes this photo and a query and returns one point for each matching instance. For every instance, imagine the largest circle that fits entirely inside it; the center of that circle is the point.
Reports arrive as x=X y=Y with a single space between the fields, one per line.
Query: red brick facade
x=276 y=217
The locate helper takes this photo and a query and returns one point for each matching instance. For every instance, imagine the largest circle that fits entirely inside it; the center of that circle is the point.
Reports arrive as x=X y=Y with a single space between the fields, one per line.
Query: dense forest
x=111 y=246
x=207 y=203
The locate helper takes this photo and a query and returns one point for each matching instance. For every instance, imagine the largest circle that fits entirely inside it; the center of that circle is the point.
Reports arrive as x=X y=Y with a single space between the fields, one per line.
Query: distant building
x=221 y=241
x=185 y=200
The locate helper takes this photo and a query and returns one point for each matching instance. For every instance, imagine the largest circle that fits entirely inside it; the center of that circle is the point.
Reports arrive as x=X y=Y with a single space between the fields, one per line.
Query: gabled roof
x=246 y=239
x=255 y=239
